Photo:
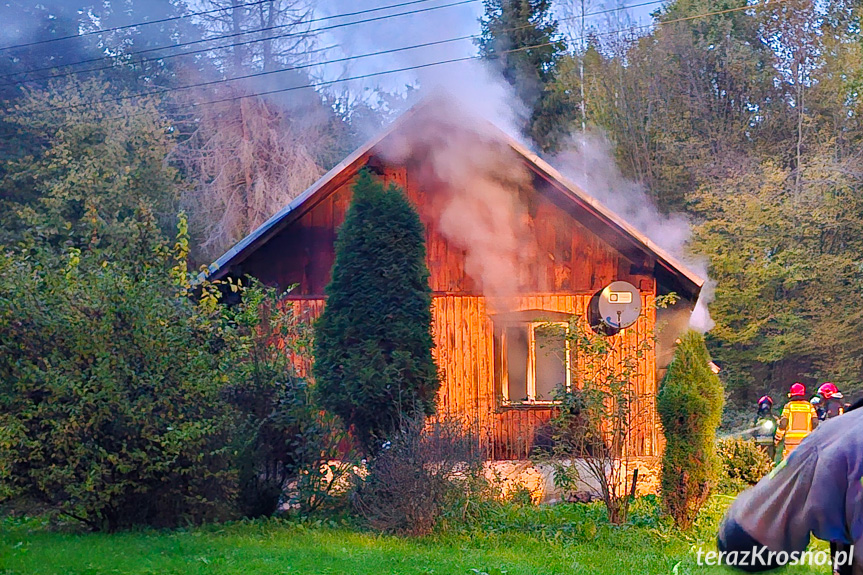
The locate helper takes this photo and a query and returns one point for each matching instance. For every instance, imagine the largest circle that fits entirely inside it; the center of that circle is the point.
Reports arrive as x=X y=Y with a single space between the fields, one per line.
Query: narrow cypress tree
x=690 y=407
x=373 y=361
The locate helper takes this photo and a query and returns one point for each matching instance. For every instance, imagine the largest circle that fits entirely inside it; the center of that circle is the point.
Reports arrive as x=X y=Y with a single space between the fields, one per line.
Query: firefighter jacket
x=798 y=419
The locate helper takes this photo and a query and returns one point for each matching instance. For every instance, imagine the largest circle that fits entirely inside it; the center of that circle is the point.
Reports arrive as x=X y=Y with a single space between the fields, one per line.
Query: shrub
x=281 y=437
x=124 y=402
x=594 y=422
x=373 y=341
x=109 y=394
x=421 y=472
x=743 y=464
x=690 y=407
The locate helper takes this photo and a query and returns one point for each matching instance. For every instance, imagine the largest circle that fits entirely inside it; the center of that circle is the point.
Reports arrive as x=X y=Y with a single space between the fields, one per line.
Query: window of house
x=534 y=360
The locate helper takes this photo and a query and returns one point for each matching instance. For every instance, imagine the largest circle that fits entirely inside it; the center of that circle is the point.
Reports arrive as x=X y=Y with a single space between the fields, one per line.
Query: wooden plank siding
x=571 y=263
x=464 y=351
x=570 y=258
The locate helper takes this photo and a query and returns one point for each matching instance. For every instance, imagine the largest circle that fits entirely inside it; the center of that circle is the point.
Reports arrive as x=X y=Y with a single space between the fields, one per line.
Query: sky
x=434 y=21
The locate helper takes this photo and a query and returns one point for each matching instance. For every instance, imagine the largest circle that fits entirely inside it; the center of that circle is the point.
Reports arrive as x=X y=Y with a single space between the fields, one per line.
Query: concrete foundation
x=538 y=479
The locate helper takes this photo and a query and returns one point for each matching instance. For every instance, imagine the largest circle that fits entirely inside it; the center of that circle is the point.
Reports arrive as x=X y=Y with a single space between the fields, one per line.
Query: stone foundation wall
x=538 y=479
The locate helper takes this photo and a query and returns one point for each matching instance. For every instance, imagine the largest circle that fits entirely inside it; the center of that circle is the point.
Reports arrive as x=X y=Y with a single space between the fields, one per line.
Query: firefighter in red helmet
x=798 y=419
x=831 y=402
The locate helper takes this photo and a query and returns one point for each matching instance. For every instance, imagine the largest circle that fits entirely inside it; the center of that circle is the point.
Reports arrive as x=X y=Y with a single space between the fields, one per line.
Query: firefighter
x=831 y=402
x=764 y=426
x=798 y=420
x=817 y=491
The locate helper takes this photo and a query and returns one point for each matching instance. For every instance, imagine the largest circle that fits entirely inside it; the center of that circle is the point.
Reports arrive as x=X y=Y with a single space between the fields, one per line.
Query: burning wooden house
x=512 y=247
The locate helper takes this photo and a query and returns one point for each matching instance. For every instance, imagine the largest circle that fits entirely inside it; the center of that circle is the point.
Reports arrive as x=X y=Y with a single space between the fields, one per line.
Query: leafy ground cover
x=502 y=539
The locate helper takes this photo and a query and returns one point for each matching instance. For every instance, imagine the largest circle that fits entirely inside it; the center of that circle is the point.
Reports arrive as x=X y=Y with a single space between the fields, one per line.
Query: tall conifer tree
x=373 y=342
x=522 y=37
x=690 y=404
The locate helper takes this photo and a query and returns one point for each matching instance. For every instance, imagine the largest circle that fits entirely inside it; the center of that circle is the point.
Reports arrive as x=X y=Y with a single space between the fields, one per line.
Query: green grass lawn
x=507 y=539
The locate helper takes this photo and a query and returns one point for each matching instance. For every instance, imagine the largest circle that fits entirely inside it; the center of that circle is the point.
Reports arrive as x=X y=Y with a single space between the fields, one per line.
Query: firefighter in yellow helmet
x=798 y=419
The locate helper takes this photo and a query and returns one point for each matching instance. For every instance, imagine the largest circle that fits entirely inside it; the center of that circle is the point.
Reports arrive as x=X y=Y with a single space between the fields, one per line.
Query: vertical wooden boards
x=464 y=351
x=464 y=336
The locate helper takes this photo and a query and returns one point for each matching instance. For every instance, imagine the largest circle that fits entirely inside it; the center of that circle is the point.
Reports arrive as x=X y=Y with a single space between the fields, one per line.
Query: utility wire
x=127 y=26
x=414 y=67
x=266 y=73
x=336 y=61
x=234 y=35
x=463 y=59
x=270 y=38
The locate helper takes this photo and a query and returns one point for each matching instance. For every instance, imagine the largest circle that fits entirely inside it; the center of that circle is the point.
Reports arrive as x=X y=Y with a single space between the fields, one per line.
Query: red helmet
x=765 y=399
x=827 y=390
x=797 y=389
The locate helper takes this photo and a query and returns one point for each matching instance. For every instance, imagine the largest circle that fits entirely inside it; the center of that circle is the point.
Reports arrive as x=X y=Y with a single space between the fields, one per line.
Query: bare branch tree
x=248 y=158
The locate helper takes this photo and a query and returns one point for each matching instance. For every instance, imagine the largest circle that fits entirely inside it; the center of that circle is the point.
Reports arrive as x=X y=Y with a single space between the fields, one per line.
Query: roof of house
x=666 y=265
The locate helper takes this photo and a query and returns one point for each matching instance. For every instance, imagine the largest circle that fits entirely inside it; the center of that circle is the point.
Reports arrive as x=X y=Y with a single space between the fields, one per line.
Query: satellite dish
x=615 y=307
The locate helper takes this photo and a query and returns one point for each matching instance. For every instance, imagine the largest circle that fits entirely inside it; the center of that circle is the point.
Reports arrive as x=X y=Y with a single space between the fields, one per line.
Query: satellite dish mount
x=614 y=308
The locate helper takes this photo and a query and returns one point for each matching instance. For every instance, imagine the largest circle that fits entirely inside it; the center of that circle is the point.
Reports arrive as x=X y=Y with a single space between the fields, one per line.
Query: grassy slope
x=513 y=540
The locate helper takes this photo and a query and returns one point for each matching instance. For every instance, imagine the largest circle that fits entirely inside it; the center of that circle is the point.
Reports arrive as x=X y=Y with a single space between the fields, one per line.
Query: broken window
x=551 y=365
x=517 y=340
x=534 y=361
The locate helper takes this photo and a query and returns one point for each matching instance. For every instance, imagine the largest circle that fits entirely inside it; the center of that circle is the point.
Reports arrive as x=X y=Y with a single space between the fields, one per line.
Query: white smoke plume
x=477 y=174
x=700 y=319
x=474 y=179
x=588 y=161
x=482 y=216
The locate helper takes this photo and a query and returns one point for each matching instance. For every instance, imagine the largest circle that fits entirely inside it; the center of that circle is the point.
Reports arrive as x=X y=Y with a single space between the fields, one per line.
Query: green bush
x=283 y=442
x=125 y=402
x=109 y=394
x=743 y=464
x=373 y=341
x=690 y=407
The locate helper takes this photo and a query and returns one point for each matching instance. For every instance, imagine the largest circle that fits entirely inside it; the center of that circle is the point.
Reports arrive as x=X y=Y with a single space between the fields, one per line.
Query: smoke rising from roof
x=480 y=184
x=588 y=160
x=470 y=176
x=486 y=219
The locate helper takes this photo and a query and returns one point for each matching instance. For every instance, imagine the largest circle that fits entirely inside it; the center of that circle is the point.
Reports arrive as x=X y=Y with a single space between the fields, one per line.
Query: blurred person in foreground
x=816 y=491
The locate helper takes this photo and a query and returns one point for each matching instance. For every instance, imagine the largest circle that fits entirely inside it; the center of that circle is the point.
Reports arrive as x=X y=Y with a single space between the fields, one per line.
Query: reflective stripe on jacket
x=798 y=421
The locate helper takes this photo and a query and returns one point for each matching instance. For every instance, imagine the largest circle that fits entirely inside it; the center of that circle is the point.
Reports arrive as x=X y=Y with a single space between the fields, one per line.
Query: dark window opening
x=533 y=361
x=551 y=359
x=516 y=354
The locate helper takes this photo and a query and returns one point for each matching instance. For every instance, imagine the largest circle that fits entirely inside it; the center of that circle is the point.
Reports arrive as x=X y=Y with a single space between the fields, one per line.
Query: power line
x=463 y=59
x=264 y=73
x=275 y=37
x=234 y=35
x=127 y=26
x=338 y=60
x=416 y=67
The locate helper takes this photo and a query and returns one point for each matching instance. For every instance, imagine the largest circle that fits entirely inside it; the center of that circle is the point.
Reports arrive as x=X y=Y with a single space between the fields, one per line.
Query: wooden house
x=488 y=345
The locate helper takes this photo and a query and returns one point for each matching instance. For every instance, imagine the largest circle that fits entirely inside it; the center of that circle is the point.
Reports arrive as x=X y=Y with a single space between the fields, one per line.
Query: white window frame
x=531 y=363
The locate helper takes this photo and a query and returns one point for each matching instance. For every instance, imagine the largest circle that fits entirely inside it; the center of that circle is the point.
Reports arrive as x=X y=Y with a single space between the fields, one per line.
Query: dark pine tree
x=522 y=37
x=373 y=362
